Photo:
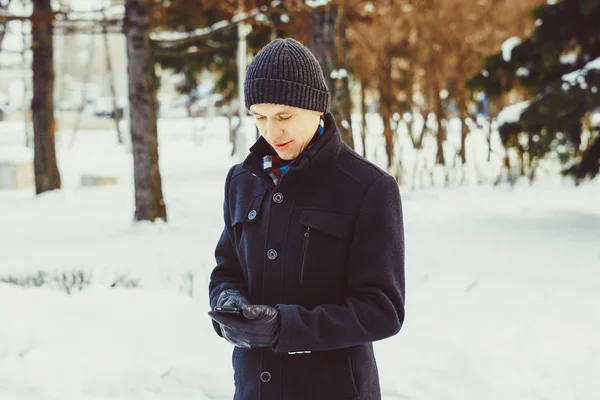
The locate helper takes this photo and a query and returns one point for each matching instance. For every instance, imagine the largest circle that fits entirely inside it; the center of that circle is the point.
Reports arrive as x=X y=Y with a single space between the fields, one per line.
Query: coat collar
x=310 y=161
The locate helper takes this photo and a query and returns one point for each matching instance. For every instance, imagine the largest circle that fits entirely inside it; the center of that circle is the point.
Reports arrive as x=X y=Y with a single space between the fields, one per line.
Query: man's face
x=287 y=129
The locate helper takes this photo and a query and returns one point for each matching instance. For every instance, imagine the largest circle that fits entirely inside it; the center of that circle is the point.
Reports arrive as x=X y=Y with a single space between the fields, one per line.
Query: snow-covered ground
x=502 y=284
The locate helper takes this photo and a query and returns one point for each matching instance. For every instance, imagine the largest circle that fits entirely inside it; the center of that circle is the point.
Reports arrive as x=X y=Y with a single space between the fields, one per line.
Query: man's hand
x=232 y=298
x=259 y=326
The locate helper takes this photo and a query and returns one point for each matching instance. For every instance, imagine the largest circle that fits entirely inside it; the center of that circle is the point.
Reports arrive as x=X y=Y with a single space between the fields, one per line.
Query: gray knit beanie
x=285 y=72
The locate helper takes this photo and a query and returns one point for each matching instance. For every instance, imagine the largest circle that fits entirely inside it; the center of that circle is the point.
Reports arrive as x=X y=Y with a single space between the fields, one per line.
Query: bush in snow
x=69 y=282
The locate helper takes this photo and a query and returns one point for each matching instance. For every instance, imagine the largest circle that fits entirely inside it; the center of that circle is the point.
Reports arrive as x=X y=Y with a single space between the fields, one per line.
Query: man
x=313 y=246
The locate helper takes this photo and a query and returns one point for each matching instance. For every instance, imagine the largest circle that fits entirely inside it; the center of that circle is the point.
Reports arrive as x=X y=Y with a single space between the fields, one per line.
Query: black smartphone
x=229 y=310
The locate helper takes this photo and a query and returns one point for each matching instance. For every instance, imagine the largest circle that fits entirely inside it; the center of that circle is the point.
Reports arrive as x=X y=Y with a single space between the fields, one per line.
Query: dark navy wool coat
x=326 y=247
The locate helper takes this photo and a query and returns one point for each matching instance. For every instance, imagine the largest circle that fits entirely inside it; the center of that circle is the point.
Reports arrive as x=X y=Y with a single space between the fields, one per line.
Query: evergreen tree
x=558 y=68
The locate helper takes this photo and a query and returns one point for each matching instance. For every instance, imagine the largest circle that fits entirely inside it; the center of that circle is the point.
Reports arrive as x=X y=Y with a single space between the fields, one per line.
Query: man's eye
x=283 y=118
x=259 y=117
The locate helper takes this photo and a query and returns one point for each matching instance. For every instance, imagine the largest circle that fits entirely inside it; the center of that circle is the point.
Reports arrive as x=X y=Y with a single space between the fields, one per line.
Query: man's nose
x=274 y=132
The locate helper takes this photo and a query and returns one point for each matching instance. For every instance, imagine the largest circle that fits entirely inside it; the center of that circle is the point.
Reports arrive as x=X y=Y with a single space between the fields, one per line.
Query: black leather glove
x=257 y=327
x=232 y=298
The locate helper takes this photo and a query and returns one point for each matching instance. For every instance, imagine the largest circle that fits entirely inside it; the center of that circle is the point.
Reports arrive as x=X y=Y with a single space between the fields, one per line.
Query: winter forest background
x=120 y=119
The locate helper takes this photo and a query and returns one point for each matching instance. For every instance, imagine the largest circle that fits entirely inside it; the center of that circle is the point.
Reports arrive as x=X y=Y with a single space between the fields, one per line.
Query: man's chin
x=285 y=155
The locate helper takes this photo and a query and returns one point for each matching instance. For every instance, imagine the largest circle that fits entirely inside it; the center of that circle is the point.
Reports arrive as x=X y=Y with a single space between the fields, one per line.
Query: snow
x=239 y=17
x=595 y=64
x=570 y=58
x=220 y=25
x=508 y=46
x=113 y=12
x=369 y=7
x=261 y=18
x=176 y=36
x=511 y=113
x=11 y=143
x=338 y=73
x=522 y=71
x=317 y=3
x=501 y=284
x=578 y=76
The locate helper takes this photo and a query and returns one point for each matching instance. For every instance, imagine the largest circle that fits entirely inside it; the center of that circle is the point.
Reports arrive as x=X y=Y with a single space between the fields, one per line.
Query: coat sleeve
x=374 y=307
x=227 y=274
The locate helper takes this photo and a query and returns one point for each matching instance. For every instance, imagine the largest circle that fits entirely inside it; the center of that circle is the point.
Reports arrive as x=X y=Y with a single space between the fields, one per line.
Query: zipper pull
x=307 y=233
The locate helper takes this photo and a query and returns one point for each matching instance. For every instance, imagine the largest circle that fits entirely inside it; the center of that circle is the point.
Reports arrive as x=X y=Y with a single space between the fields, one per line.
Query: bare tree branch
x=167 y=40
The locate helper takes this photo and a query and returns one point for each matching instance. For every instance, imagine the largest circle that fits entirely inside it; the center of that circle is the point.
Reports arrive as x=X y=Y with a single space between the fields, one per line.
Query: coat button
x=252 y=215
x=272 y=254
x=265 y=376
x=278 y=198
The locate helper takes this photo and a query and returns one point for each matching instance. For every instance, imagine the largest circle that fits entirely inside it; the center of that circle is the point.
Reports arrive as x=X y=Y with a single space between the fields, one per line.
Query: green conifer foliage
x=558 y=68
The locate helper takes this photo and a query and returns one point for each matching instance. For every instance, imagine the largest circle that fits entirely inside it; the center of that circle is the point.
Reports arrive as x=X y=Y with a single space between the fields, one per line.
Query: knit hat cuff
x=278 y=91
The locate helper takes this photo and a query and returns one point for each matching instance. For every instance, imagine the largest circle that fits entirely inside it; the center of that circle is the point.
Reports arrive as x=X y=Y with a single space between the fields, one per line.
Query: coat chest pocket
x=325 y=239
x=246 y=222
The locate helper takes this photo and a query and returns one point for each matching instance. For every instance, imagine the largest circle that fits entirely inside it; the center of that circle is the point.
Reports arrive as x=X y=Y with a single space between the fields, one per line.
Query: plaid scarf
x=275 y=167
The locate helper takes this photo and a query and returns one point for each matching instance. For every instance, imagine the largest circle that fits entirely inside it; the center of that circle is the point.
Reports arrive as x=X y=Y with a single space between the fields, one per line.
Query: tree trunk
x=462 y=106
x=25 y=79
x=47 y=176
x=342 y=109
x=320 y=41
x=327 y=26
x=342 y=104
x=533 y=164
x=386 y=99
x=388 y=132
x=590 y=162
x=520 y=161
x=111 y=79
x=363 y=110
x=439 y=116
x=149 y=202
x=491 y=116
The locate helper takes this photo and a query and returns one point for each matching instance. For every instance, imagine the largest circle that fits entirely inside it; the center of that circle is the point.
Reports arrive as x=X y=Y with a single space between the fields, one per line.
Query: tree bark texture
x=386 y=104
x=327 y=27
x=462 y=109
x=111 y=79
x=439 y=116
x=320 y=42
x=342 y=102
x=363 y=111
x=492 y=114
x=47 y=176
x=149 y=202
